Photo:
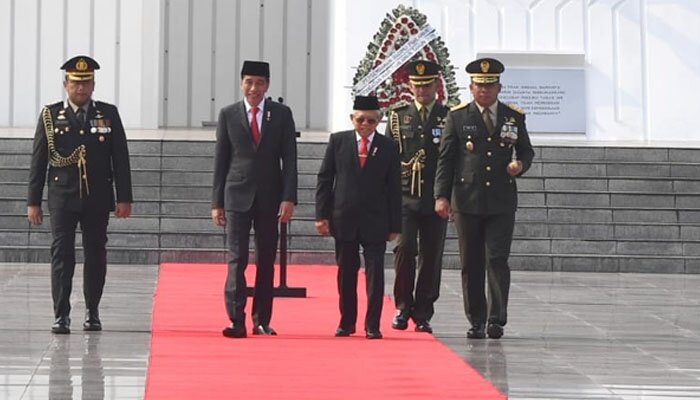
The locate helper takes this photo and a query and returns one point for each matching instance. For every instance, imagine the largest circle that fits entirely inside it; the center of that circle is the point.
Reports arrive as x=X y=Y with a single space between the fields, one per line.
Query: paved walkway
x=570 y=336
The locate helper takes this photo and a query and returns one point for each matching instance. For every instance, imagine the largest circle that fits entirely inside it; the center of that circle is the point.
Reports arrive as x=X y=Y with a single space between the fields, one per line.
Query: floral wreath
x=399 y=26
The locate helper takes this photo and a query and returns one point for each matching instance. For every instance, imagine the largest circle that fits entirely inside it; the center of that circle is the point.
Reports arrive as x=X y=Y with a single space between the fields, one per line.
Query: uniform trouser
x=94 y=228
x=484 y=247
x=422 y=236
x=347 y=254
x=238 y=225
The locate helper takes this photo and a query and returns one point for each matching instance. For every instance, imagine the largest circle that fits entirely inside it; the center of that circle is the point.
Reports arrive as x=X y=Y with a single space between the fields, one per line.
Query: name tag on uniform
x=468 y=128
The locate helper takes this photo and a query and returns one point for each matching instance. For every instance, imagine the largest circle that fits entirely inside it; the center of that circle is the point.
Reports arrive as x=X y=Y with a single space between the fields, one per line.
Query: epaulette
x=459 y=106
x=56 y=104
x=516 y=108
x=398 y=106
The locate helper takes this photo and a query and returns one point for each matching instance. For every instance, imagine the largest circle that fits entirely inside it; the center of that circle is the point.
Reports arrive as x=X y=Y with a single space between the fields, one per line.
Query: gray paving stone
x=531 y=230
x=685 y=170
x=528 y=246
x=652 y=265
x=187 y=177
x=16 y=146
x=579 y=215
x=690 y=232
x=686 y=186
x=530 y=183
x=641 y=170
x=188 y=148
x=189 y=163
x=636 y=154
x=688 y=201
x=692 y=266
x=641 y=185
x=686 y=216
x=573 y=170
x=528 y=214
x=691 y=249
x=193 y=241
x=193 y=192
x=530 y=199
x=530 y=263
x=670 y=232
x=581 y=231
x=600 y=184
x=578 y=247
x=144 y=161
x=14 y=174
x=571 y=153
x=585 y=264
x=144 y=147
x=650 y=248
x=639 y=216
x=578 y=199
x=14 y=160
x=305 y=165
x=643 y=200
x=684 y=155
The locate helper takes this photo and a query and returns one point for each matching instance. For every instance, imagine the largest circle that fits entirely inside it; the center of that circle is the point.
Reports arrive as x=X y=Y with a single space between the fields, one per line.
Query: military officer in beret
x=417 y=128
x=484 y=148
x=83 y=143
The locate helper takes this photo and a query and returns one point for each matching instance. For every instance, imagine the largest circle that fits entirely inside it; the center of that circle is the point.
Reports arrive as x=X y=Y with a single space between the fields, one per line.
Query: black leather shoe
x=92 y=321
x=476 y=332
x=400 y=320
x=235 y=331
x=61 y=325
x=495 y=331
x=342 y=332
x=424 y=326
x=372 y=334
x=264 y=330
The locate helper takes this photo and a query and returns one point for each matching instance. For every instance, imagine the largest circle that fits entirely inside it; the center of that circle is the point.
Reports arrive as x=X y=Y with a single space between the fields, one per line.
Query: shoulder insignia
x=399 y=106
x=459 y=106
x=56 y=104
x=516 y=108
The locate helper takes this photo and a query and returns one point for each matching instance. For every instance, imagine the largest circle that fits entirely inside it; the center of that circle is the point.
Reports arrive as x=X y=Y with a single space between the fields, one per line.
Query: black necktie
x=81 y=116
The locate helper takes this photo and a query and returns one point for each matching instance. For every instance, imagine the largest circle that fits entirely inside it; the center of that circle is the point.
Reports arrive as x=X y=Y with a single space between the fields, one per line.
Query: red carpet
x=190 y=359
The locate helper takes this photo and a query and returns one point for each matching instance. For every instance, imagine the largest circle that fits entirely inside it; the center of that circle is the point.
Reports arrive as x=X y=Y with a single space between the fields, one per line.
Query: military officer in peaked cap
x=83 y=144
x=417 y=128
x=484 y=149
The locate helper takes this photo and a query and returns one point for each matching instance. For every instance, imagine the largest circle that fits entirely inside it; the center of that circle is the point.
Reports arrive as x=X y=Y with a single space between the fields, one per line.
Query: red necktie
x=363 y=151
x=254 y=132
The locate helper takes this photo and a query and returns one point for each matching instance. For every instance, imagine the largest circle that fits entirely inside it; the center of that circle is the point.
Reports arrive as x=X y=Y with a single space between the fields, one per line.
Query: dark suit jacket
x=244 y=172
x=476 y=181
x=415 y=135
x=107 y=159
x=360 y=203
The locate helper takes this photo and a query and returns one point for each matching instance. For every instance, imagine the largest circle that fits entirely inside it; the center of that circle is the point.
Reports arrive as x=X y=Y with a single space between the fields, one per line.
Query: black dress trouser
x=94 y=235
x=347 y=255
x=238 y=225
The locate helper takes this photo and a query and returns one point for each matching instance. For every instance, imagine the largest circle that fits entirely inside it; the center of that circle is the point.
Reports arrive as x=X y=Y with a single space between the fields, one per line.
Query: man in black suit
x=358 y=201
x=484 y=149
x=84 y=145
x=255 y=185
x=417 y=128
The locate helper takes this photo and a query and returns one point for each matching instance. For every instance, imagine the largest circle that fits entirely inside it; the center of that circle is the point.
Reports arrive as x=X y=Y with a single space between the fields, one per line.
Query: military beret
x=422 y=72
x=366 y=103
x=80 y=68
x=485 y=70
x=255 y=68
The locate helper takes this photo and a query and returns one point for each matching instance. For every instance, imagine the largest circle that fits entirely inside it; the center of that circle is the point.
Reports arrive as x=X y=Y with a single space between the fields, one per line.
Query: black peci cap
x=255 y=68
x=366 y=103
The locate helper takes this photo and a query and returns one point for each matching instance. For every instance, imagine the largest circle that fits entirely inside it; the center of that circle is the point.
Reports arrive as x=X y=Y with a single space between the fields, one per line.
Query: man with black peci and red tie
x=358 y=202
x=255 y=185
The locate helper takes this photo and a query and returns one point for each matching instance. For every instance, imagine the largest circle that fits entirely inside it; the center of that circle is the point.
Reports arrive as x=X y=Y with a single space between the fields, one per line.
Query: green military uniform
x=471 y=173
x=417 y=129
x=419 y=143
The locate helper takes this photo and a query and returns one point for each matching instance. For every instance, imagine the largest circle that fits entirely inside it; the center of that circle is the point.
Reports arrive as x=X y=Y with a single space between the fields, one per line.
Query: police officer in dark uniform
x=484 y=149
x=84 y=145
x=417 y=128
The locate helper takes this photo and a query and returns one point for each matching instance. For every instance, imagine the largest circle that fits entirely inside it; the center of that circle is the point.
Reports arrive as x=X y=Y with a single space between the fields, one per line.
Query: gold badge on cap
x=81 y=65
x=420 y=68
x=485 y=65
